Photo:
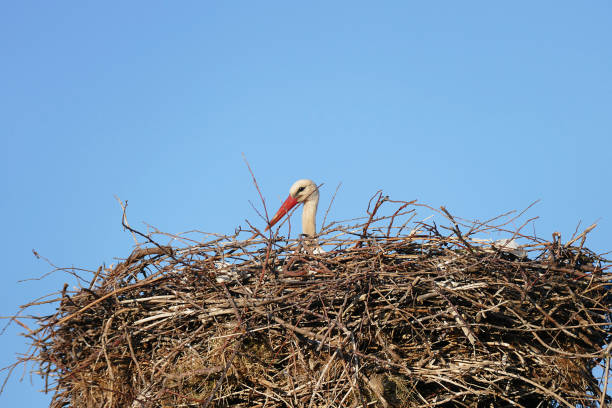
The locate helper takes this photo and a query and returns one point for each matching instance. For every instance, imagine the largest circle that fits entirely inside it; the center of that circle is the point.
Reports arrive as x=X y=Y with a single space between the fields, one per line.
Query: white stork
x=303 y=191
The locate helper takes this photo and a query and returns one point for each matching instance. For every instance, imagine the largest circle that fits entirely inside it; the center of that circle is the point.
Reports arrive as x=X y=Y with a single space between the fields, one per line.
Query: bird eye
x=301 y=189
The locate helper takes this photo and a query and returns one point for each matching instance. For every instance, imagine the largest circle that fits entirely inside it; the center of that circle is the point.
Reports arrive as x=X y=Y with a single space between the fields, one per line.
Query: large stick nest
x=388 y=316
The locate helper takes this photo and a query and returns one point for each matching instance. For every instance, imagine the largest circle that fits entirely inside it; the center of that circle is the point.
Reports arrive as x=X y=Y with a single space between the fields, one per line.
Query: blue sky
x=480 y=106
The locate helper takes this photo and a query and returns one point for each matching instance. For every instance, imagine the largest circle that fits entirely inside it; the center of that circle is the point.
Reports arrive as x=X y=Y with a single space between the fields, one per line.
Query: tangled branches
x=386 y=317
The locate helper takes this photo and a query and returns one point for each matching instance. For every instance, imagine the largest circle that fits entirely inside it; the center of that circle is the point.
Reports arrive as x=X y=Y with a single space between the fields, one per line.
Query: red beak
x=289 y=203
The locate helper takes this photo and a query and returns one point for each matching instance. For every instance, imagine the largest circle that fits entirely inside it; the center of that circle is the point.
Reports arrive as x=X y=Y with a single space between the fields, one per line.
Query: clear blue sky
x=480 y=106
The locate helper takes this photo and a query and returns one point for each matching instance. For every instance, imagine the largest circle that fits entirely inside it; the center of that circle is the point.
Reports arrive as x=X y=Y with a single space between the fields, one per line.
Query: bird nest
x=389 y=316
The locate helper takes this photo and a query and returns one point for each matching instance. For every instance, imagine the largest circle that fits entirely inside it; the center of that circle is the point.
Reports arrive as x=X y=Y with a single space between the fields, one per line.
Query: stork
x=302 y=191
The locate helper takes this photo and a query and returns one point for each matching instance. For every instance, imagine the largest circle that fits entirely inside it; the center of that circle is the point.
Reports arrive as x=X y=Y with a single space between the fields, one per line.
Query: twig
x=330 y=206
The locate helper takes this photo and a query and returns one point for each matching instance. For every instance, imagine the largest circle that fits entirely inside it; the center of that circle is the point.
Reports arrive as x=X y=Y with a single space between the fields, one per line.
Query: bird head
x=301 y=191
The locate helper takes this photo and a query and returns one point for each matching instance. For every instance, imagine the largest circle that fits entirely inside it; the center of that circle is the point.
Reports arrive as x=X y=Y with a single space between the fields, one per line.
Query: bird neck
x=309 y=214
